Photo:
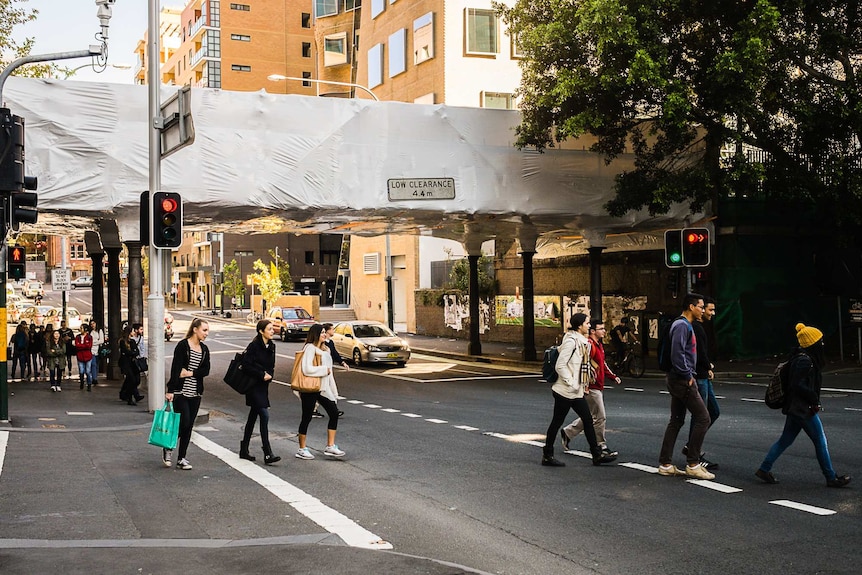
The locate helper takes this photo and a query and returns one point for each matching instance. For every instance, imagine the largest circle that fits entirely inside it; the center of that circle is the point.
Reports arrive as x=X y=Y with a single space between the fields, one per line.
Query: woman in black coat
x=259 y=363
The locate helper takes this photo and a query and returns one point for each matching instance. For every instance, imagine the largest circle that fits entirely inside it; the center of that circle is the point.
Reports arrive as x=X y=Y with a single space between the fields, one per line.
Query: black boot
x=243 y=451
x=269 y=458
x=549 y=460
x=600 y=456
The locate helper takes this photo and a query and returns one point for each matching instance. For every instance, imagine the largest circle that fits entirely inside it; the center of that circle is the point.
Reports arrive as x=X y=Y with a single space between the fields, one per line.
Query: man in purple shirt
x=682 y=386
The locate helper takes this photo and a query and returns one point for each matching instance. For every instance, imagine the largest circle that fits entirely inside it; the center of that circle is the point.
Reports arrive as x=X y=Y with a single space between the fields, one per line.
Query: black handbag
x=141 y=362
x=235 y=377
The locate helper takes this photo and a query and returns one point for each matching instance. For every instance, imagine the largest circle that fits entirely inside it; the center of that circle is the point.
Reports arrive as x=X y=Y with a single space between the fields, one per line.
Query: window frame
x=397 y=52
x=335 y=58
x=240 y=37
x=375 y=54
x=470 y=15
x=327 y=7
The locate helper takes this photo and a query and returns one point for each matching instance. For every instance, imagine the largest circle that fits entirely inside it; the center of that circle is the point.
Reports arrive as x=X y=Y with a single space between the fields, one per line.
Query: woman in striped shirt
x=190 y=365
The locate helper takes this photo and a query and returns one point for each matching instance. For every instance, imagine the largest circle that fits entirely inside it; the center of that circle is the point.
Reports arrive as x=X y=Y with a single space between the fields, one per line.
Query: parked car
x=15 y=309
x=33 y=288
x=83 y=281
x=370 y=342
x=37 y=314
x=73 y=317
x=290 y=322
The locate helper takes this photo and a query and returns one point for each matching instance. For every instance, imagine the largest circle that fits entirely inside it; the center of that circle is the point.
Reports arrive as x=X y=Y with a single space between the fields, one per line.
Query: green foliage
x=715 y=99
x=283 y=272
x=233 y=284
x=431 y=297
x=459 y=277
x=12 y=14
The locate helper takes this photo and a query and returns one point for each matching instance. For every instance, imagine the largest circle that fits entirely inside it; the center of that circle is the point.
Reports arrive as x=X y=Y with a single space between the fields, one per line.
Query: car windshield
x=296 y=314
x=372 y=331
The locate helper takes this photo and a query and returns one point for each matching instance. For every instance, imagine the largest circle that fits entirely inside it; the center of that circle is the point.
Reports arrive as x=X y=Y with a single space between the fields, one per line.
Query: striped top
x=190 y=384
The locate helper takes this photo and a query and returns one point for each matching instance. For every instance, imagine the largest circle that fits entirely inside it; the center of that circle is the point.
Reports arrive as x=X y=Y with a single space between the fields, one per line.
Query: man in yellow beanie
x=802 y=406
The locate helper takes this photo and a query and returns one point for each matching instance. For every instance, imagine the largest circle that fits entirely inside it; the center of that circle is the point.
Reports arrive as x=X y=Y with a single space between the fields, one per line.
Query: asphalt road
x=443 y=462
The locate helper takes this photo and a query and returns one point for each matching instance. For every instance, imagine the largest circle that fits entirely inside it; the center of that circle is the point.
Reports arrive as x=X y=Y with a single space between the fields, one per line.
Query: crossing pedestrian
x=259 y=362
x=703 y=376
x=189 y=366
x=802 y=407
x=315 y=346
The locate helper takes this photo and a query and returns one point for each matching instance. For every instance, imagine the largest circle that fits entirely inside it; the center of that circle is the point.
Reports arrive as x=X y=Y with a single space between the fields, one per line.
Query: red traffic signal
x=17 y=262
x=695 y=247
x=167 y=220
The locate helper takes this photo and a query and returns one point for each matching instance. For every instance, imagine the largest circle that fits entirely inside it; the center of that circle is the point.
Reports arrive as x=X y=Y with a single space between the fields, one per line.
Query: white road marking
x=841 y=390
x=751 y=399
x=640 y=467
x=355 y=401
x=714 y=486
x=436 y=421
x=372 y=406
x=411 y=415
x=664 y=392
x=334 y=522
x=803 y=507
x=852 y=409
x=4 y=440
x=79 y=413
x=639 y=390
x=576 y=452
x=390 y=410
x=466 y=427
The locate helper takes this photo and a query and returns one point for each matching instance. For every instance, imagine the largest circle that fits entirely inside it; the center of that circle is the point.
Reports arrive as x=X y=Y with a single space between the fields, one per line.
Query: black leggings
x=253 y=414
x=187 y=407
x=308 y=402
x=561 y=410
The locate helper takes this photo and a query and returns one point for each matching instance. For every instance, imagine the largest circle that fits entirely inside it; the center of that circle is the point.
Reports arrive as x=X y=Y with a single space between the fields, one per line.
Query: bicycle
x=631 y=363
x=254 y=317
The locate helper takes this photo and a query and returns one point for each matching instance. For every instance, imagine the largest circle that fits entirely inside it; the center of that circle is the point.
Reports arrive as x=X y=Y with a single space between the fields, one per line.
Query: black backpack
x=664 y=362
x=776 y=390
x=549 y=363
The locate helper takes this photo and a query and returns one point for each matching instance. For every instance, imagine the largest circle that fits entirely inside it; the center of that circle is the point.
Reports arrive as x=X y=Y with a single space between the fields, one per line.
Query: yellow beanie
x=807 y=336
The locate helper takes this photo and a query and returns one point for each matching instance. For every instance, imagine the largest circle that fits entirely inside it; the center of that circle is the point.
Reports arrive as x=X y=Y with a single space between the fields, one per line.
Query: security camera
x=103 y=13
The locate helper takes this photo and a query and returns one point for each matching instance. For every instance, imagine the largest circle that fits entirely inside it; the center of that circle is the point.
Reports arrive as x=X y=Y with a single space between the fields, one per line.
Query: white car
x=33 y=288
x=73 y=317
x=370 y=342
x=83 y=281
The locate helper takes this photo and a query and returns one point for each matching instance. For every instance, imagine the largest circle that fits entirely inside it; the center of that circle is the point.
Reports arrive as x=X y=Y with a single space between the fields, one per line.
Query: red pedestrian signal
x=695 y=247
x=17 y=262
x=167 y=220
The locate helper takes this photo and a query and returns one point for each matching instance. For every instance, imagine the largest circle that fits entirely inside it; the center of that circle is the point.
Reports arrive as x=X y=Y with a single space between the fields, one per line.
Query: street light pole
x=279 y=77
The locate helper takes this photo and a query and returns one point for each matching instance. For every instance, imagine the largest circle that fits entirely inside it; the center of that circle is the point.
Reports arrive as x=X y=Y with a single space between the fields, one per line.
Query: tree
x=283 y=272
x=233 y=285
x=715 y=99
x=459 y=277
x=268 y=281
x=12 y=15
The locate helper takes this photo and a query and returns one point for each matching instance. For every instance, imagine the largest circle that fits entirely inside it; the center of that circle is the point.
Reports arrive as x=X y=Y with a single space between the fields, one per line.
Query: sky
x=70 y=25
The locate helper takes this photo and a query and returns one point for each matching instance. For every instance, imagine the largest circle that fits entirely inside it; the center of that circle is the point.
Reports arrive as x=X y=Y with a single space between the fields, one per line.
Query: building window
x=241 y=37
x=352 y=5
x=481 y=28
x=398 y=53
x=243 y=7
x=371 y=263
x=375 y=65
x=335 y=49
x=423 y=38
x=325 y=8
x=306 y=84
x=497 y=100
x=240 y=68
x=309 y=258
x=377 y=7
x=306 y=20
x=516 y=49
x=306 y=49
x=328 y=258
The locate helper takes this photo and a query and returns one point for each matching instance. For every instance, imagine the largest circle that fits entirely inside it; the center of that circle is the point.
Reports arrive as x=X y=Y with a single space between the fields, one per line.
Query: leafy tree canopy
x=13 y=13
x=715 y=99
x=459 y=276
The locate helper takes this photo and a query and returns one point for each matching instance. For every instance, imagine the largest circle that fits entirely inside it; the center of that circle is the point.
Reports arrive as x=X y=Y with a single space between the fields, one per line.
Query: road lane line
x=466 y=427
x=390 y=410
x=721 y=487
x=803 y=507
x=411 y=415
x=4 y=441
x=640 y=467
x=637 y=389
x=355 y=401
x=334 y=522
x=852 y=409
x=436 y=421
x=750 y=400
x=372 y=406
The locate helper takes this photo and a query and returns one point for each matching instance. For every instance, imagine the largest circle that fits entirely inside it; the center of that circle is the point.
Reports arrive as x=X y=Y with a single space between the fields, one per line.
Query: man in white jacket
x=573 y=379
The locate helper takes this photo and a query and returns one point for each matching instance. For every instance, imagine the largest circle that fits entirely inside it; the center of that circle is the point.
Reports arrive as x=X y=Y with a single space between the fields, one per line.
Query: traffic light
x=22 y=205
x=17 y=262
x=673 y=248
x=12 y=150
x=167 y=220
x=695 y=247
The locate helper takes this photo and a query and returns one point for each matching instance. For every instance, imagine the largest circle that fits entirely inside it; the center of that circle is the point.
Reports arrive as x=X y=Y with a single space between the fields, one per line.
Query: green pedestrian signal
x=673 y=248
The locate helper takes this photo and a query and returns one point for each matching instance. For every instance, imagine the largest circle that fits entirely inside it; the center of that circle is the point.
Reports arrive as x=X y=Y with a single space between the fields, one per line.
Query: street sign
x=421 y=188
x=217 y=278
x=175 y=124
x=61 y=280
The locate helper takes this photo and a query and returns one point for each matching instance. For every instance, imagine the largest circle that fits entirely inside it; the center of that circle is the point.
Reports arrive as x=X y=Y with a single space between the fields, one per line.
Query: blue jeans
x=84 y=368
x=814 y=429
x=94 y=368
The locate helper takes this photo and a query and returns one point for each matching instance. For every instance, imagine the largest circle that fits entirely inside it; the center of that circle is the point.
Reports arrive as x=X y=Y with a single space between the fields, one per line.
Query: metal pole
x=7 y=71
x=156 y=299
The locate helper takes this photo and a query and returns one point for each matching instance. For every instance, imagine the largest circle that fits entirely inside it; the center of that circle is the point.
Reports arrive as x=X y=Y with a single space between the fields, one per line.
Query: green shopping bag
x=166 y=427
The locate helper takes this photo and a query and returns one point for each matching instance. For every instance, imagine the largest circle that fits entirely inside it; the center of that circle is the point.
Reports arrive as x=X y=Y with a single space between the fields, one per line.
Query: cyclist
x=621 y=336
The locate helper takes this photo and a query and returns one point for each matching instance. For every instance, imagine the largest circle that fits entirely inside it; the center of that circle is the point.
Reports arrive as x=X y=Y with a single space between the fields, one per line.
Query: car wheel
x=357 y=357
x=400 y=363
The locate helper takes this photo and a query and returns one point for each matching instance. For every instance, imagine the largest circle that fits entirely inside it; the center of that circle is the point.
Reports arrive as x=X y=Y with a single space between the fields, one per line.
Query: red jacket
x=597 y=358
x=83 y=347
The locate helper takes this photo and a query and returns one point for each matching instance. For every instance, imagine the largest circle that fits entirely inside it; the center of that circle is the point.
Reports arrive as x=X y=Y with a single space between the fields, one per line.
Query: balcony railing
x=197 y=27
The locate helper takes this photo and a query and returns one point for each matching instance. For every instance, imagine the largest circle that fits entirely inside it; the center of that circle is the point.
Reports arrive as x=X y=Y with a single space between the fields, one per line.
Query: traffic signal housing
x=17 y=262
x=167 y=220
x=23 y=205
x=673 y=248
x=695 y=247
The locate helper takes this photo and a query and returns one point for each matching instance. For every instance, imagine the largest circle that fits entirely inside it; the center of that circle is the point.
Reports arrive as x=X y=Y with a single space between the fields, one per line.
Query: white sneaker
x=304 y=453
x=333 y=451
x=166 y=457
x=184 y=464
